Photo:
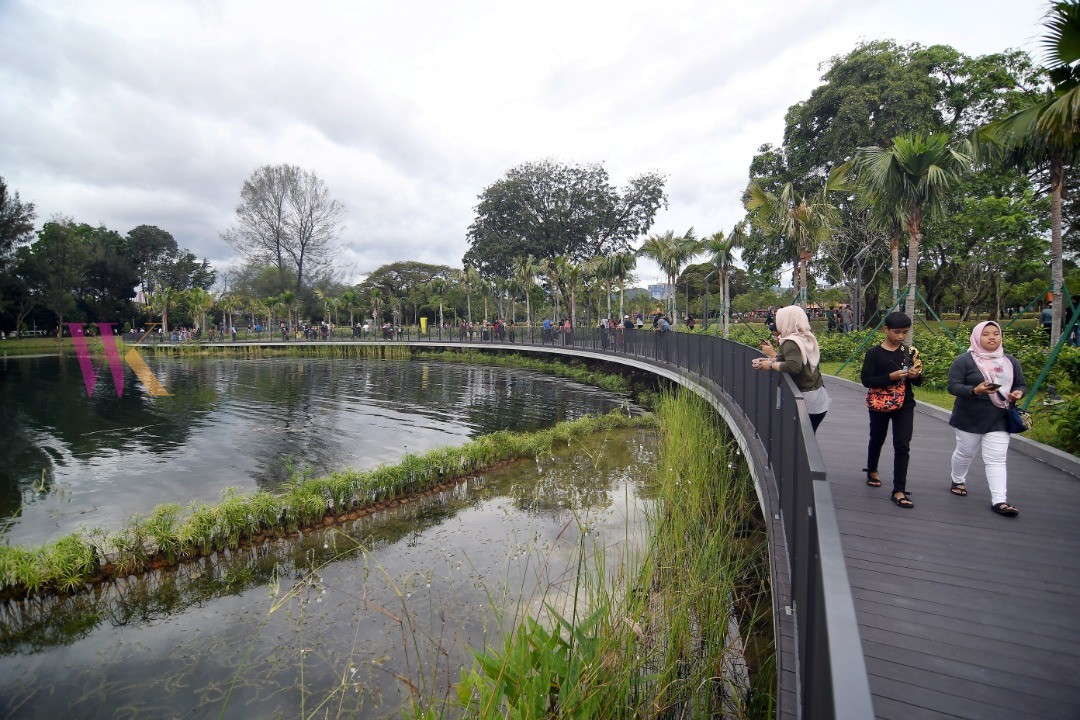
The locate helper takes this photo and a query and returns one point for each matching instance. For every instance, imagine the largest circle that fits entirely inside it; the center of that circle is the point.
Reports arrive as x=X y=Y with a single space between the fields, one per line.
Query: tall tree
x=722 y=251
x=525 y=271
x=286 y=217
x=912 y=177
x=547 y=209
x=108 y=283
x=61 y=254
x=799 y=223
x=671 y=252
x=16 y=223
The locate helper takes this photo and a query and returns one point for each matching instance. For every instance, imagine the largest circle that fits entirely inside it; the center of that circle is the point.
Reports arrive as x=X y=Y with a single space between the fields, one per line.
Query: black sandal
x=902 y=500
x=1005 y=509
x=871 y=478
x=958 y=489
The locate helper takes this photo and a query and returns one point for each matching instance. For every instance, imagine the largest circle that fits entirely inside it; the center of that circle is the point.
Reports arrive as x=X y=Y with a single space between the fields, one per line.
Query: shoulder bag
x=1017 y=420
x=887 y=399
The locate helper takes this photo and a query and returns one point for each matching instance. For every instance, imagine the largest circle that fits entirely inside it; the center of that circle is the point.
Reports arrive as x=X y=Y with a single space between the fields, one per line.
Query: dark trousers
x=903 y=422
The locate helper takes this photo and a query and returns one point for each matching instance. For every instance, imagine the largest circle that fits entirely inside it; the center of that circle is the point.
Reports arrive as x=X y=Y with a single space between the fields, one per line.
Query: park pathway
x=962 y=613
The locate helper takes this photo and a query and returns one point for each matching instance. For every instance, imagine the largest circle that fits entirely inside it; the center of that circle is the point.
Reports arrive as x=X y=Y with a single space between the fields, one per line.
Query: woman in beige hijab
x=799 y=357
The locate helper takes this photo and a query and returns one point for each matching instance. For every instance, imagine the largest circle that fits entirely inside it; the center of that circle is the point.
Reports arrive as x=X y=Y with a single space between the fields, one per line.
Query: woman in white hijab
x=985 y=380
x=799 y=356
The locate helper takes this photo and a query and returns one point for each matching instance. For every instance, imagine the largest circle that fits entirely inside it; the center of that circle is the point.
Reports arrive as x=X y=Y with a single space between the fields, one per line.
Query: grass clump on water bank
x=685 y=631
x=170 y=534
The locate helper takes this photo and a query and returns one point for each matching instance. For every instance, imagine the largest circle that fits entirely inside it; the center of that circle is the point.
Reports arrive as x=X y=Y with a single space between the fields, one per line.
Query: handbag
x=886 y=399
x=1017 y=420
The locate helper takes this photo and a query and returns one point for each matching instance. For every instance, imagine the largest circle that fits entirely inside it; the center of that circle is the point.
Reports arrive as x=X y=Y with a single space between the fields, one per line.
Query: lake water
x=349 y=621
x=69 y=461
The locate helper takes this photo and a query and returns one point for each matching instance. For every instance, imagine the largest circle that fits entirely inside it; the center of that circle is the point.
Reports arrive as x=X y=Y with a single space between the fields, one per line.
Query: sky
x=126 y=113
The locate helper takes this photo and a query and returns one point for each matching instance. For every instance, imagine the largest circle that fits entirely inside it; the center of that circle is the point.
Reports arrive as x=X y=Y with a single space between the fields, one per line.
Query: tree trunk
x=804 y=298
x=727 y=304
x=914 y=238
x=895 y=249
x=1057 y=274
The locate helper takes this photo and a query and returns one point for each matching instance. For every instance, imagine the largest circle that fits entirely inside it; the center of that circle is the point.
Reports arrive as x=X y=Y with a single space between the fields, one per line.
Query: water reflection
x=73 y=461
x=367 y=611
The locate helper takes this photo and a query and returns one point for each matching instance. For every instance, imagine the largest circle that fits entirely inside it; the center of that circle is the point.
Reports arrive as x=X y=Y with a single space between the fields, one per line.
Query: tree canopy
x=549 y=209
x=286 y=218
x=16 y=222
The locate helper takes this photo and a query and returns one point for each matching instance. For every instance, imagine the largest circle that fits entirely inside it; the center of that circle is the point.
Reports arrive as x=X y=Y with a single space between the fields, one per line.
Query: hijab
x=994 y=365
x=792 y=324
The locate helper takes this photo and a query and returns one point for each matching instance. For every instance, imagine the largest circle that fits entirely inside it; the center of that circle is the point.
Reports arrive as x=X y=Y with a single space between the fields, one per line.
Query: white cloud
x=155 y=112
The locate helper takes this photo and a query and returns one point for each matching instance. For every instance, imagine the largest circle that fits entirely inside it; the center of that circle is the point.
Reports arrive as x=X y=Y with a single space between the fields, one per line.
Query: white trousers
x=995 y=446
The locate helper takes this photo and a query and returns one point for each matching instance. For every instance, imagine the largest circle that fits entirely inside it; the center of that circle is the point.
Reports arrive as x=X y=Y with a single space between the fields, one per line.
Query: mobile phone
x=992 y=386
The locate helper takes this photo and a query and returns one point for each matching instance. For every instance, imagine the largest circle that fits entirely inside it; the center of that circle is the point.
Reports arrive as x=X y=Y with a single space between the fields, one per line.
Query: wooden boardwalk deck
x=962 y=613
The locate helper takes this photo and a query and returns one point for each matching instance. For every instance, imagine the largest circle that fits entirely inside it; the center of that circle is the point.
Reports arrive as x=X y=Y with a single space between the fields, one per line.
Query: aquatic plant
x=169 y=536
x=663 y=635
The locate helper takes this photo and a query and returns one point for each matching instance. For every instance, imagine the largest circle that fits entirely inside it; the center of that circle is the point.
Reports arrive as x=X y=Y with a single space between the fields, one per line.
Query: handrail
x=821 y=670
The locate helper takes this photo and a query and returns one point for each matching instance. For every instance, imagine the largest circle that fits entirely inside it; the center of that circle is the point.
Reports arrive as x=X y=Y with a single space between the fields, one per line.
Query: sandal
x=872 y=478
x=1005 y=509
x=900 y=498
x=958 y=489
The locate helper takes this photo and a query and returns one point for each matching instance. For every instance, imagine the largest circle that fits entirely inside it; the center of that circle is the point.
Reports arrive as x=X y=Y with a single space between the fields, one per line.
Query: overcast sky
x=147 y=112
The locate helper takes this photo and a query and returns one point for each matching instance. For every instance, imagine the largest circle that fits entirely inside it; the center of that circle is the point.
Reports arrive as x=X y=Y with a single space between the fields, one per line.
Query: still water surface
x=346 y=621
x=238 y=423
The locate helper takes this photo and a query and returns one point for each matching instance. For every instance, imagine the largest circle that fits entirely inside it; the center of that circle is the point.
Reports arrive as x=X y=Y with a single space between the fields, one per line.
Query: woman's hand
x=762 y=363
x=899 y=374
x=768 y=349
x=1016 y=395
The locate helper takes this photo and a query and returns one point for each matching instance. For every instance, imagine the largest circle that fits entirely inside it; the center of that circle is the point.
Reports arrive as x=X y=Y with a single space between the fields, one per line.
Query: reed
x=169 y=536
x=662 y=636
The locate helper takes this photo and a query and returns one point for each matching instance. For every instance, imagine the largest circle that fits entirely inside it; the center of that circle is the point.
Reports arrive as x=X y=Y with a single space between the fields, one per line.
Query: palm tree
x=437 y=289
x=552 y=270
x=1046 y=133
x=349 y=301
x=162 y=301
x=525 y=271
x=469 y=277
x=622 y=266
x=801 y=222
x=671 y=252
x=569 y=275
x=910 y=179
x=376 y=295
x=200 y=302
x=723 y=257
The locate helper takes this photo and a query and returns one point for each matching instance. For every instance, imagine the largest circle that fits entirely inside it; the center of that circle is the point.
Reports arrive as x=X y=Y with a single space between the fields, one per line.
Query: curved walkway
x=962 y=613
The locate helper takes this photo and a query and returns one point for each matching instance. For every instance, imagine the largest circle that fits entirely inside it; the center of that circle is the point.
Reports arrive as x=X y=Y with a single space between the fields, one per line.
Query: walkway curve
x=945 y=610
x=820 y=668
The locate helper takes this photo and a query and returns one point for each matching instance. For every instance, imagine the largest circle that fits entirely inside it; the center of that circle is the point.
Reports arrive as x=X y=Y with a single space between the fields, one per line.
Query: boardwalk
x=962 y=613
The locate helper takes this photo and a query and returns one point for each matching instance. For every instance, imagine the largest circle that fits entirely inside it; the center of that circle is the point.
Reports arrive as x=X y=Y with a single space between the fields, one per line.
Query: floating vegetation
x=171 y=535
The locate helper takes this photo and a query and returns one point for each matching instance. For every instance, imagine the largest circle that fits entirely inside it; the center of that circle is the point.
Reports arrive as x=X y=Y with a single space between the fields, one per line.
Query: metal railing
x=821 y=671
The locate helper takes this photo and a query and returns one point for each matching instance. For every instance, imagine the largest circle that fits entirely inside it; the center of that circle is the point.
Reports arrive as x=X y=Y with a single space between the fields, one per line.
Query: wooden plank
x=962 y=613
x=961 y=698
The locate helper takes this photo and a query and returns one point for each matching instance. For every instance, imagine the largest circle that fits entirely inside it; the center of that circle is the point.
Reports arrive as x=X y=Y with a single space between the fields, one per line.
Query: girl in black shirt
x=884 y=365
